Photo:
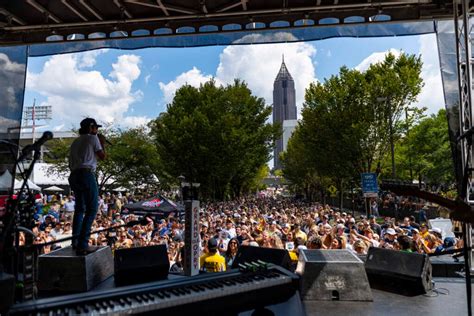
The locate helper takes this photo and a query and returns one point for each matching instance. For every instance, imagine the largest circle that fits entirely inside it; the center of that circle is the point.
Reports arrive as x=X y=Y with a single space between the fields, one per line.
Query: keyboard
x=226 y=293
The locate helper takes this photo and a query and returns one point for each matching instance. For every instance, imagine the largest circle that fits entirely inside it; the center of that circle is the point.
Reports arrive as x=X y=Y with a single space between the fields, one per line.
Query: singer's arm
x=101 y=153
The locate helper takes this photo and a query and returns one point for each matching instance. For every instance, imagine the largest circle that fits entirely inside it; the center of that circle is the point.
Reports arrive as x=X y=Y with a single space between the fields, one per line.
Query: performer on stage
x=83 y=156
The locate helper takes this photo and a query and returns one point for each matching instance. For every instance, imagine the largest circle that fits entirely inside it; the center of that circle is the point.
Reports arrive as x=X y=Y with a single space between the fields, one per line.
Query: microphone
x=36 y=146
x=105 y=139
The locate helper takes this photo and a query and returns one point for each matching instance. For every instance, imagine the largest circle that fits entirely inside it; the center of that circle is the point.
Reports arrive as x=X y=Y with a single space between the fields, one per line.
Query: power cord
x=435 y=292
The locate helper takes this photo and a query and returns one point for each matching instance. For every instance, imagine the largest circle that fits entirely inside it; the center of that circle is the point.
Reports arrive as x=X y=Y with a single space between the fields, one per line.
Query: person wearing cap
x=424 y=232
x=212 y=261
x=57 y=230
x=389 y=238
x=83 y=155
x=273 y=229
x=350 y=225
x=229 y=228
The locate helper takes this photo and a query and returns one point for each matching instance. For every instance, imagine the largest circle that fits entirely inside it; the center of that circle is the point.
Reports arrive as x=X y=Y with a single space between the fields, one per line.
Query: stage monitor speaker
x=332 y=275
x=64 y=271
x=141 y=264
x=279 y=257
x=399 y=272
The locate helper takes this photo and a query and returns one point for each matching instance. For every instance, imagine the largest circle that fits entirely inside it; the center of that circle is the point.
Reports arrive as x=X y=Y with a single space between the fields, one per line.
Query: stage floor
x=450 y=299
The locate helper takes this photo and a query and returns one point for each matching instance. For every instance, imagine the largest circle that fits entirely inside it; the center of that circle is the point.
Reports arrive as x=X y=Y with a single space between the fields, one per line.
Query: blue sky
x=129 y=88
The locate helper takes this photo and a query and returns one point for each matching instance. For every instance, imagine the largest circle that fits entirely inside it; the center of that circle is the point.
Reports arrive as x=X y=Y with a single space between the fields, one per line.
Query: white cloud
x=11 y=81
x=88 y=59
x=147 y=78
x=80 y=93
x=258 y=66
x=431 y=95
x=7 y=123
x=376 y=58
x=193 y=77
x=266 y=38
x=134 y=121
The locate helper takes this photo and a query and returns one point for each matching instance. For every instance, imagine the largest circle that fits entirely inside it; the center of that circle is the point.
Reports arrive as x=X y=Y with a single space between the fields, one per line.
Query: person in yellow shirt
x=424 y=231
x=299 y=233
x=212 y=261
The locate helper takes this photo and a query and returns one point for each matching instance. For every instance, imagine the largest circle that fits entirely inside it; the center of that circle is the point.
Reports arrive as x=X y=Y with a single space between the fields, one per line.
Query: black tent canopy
x=158 y=207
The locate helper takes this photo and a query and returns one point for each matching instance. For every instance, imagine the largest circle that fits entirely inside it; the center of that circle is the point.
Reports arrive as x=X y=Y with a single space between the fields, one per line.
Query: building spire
x=283 y=74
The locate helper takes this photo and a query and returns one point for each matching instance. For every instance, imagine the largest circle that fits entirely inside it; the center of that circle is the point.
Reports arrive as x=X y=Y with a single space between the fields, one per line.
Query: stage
x=449 y=299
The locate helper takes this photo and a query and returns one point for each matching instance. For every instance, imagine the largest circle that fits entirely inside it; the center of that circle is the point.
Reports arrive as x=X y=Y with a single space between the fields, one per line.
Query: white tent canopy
x=53 y=188
x=31 y=185
x=6 y=181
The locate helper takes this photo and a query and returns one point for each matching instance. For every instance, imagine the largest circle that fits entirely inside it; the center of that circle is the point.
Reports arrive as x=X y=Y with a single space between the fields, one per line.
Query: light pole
x=409 y=149
x=181 y=179
x=387 y=102
x=352 y=196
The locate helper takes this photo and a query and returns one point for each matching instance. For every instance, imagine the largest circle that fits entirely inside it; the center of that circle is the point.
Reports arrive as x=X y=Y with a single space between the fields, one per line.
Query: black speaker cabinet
x=399 y=272
x=141 y=264
x=328 y=275
x=279 y=257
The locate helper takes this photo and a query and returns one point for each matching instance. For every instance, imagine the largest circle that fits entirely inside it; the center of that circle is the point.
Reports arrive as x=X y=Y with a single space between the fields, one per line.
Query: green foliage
x=217 y=136
x=348 y=120
x=131 y=161
x=58 y=153
x=426 y=151
x=299 y=170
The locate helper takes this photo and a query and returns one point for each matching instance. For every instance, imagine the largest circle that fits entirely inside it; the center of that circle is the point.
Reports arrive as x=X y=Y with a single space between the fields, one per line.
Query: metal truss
x=463 y=28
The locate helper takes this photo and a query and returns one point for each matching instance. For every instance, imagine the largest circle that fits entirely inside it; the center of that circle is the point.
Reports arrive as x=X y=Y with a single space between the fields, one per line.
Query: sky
x=129 y=88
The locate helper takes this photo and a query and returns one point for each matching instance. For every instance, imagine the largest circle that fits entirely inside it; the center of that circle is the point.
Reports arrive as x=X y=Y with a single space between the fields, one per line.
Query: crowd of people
x=253 y=221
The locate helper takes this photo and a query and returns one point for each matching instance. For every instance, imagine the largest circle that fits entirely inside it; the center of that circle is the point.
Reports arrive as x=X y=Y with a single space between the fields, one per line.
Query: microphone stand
x=129 y=224
x=15 y=213
x=18 y=217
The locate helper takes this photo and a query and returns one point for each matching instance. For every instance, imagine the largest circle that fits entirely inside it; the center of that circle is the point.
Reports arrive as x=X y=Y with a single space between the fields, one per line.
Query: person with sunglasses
x=231 y=253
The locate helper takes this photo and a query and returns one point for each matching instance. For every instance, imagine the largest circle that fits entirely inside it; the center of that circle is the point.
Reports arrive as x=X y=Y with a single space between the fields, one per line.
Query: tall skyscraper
x=284 y=107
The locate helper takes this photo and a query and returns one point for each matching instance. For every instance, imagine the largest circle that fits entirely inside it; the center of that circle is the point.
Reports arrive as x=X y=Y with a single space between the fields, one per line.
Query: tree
x=426 y=150
x=345 y=128
x=217 y=136
x=131 y=161
x=392 y=86
x=299 y=170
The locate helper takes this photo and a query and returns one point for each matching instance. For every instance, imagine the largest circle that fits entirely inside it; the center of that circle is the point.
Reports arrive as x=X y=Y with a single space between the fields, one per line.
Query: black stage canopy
x=39 y=21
